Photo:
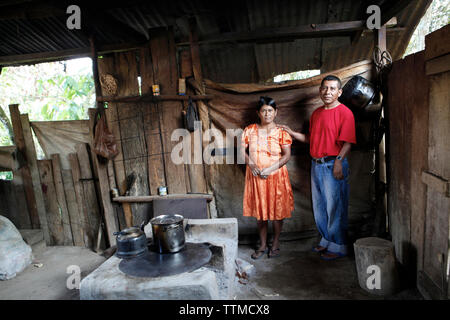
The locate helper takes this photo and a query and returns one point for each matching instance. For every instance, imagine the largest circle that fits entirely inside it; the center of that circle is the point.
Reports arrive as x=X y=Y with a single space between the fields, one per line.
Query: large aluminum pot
x=168 y=233
x=131 y=242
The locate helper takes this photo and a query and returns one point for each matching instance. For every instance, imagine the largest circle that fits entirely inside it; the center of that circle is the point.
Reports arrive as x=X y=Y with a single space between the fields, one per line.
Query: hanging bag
x=104 y=143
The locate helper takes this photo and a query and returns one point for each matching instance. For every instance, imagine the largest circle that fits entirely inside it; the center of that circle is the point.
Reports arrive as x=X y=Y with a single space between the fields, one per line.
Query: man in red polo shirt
x=331 y=134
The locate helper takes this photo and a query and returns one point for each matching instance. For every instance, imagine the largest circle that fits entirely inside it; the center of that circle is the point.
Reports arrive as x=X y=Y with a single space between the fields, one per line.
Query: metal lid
x=166 y=219
x=129 y=233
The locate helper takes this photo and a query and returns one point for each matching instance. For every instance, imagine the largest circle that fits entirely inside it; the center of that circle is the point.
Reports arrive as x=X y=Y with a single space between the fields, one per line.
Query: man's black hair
x=266 y=101
x=332 y=78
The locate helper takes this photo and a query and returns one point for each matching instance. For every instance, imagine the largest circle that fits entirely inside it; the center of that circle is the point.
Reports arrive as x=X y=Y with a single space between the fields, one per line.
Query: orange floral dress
x=271 y=198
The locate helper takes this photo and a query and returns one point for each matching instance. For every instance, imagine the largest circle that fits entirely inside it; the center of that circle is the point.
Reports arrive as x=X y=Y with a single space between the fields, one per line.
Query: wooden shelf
x=135 y=199
x=152 y=98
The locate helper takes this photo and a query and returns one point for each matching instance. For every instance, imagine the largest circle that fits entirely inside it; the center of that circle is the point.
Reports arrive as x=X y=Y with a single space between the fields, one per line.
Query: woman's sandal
x=259 y=253
x=273 y=253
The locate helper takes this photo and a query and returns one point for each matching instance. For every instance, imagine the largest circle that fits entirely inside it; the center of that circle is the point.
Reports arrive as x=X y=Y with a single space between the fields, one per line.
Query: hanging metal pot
x=357 y=93
x=131 y=242
x=168 y=233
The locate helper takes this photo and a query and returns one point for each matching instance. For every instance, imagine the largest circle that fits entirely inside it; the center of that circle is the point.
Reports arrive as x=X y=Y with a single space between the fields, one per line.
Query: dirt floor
x=298 y=273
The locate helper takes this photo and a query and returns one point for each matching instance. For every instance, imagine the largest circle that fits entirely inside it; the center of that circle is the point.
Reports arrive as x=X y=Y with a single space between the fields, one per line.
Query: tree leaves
x=46 y=92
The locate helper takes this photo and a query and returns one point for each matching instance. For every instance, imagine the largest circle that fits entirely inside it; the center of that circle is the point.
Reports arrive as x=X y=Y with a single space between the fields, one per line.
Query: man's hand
x=337 y=170
x=285 y=128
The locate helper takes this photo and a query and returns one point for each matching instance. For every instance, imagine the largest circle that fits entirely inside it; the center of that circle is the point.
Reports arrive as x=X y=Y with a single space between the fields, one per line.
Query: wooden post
x=54 y=219
x=202 y=108
x=380 y=156
x=61 y=196
x=91 y=198
x=116 y=168
x=152 y=125
x=24 y=169
x=165 y=73
x=102 y=169
x=32 y=163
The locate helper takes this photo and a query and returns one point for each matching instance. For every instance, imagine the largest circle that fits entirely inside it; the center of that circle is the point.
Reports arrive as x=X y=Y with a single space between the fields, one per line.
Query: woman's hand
x=255 y=169
x=265 y=173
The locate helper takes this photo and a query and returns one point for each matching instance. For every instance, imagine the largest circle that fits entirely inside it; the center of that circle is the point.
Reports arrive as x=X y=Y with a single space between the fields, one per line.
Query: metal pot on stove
x=168 y=233
x=131 y=242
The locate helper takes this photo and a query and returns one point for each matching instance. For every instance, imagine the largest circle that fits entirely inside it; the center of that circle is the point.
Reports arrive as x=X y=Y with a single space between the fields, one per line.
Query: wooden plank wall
x=407 y=112
x=74 y=199
x=143 y=130
x=437 y=223
x=64 y=203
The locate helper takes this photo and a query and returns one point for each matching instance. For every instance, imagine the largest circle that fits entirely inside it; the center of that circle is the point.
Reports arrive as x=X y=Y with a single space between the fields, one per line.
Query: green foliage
x=437 y=16
x=46 y=92
x=6 y=175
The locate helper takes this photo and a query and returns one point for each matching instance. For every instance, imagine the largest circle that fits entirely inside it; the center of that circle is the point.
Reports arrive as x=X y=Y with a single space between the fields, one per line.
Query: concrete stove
x=214 y=280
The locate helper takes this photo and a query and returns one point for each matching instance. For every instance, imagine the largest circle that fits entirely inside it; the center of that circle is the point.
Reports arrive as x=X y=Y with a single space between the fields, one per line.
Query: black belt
x=324 y=159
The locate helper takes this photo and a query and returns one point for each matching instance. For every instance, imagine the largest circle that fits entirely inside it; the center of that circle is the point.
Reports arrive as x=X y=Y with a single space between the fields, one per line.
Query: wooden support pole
x=202 y=107
x=102 y=169
x=61 y=196
x=24 y=169
x=152 y=125
x=91 y=196
x=36 y=180
x=380 y=38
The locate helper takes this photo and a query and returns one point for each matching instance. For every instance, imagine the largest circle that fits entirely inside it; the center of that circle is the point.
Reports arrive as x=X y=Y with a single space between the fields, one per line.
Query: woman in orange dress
x=268 y=192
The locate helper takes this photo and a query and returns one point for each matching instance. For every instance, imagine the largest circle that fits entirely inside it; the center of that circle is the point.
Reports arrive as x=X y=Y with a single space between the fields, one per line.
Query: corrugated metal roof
x=225 y=62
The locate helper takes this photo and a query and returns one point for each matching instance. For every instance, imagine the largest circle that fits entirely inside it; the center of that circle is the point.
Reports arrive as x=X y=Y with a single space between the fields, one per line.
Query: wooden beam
x=35 y=177
x=50 y=56
x=380 y=38
x=437 y=65
x=24 y=170
x=437 y=44
x=172 y=196
x=151 y=98
x=335 y=29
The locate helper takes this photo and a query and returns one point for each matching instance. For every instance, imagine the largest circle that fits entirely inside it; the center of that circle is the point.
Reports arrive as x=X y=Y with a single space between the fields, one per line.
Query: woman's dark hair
x=266 y=101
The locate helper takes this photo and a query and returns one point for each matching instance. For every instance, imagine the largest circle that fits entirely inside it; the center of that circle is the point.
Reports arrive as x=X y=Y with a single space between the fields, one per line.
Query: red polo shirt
x=329 y=129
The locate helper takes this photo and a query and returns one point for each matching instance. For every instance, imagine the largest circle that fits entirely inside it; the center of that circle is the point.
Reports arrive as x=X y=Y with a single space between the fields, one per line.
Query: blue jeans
x=330 y=205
